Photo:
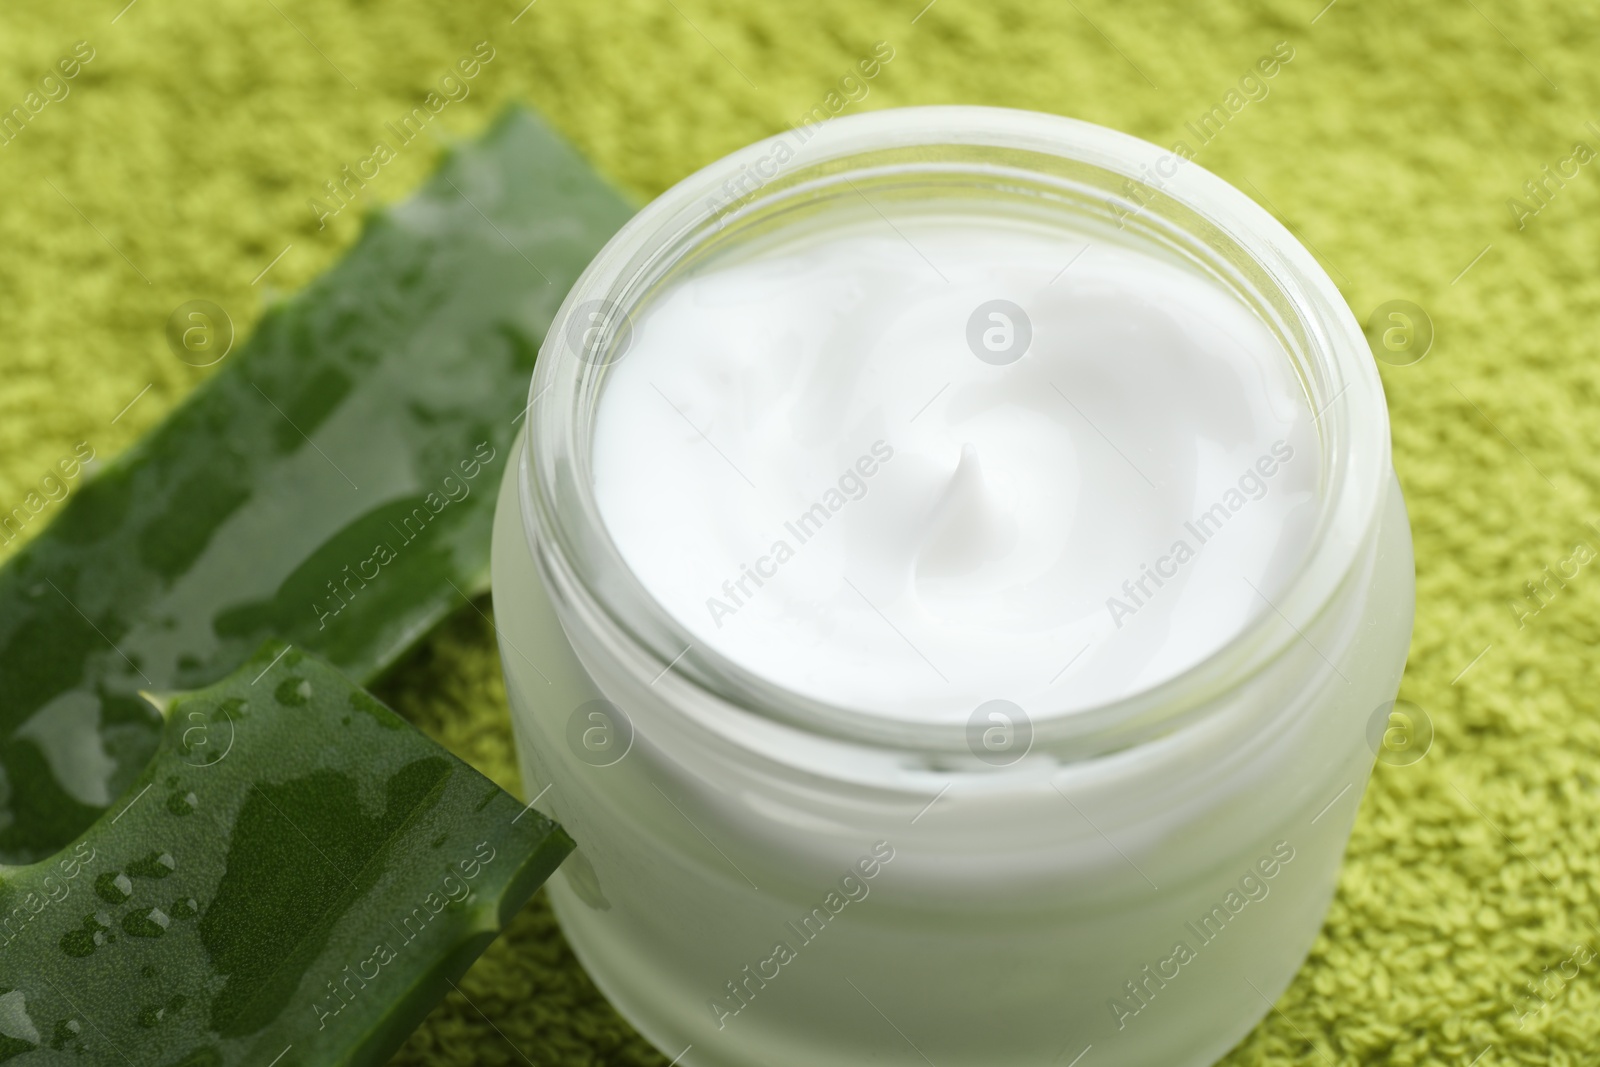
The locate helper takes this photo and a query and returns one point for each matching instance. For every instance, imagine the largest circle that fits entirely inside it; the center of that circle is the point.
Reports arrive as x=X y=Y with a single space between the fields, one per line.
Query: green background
x=182 y=163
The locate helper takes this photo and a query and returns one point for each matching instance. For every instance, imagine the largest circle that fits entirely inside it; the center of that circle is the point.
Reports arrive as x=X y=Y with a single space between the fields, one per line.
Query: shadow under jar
x=1125 y=862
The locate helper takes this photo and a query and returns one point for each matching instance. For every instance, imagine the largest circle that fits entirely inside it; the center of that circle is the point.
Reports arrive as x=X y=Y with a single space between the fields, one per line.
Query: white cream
x=806 y=462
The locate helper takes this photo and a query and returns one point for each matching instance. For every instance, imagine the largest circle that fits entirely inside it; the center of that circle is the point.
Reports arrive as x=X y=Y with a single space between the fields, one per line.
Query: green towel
x=1407 y=146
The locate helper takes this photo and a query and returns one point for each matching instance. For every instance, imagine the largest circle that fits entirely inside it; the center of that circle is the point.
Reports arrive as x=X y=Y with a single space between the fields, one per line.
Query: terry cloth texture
x=1398 y=143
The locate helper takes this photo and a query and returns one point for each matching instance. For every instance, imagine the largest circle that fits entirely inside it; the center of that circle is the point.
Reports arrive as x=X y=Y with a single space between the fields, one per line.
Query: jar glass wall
x=771 y=879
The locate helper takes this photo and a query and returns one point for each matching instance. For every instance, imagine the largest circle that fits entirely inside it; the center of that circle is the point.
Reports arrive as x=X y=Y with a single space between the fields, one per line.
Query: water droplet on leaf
x=155 y=865
x=83 y=941
x=66 y=1030
x=152 y=923
x=113 y=887
x=294 y=692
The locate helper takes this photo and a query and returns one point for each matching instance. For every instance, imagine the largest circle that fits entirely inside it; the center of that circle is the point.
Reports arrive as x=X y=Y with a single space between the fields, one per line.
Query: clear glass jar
x=765 y=879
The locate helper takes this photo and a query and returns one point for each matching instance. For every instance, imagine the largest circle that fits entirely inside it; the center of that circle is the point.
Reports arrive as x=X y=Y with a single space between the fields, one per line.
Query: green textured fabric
x=1397 y=142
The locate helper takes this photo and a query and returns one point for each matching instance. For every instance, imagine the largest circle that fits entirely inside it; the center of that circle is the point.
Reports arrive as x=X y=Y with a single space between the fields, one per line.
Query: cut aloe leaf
x=295 y=879
x=332 y=484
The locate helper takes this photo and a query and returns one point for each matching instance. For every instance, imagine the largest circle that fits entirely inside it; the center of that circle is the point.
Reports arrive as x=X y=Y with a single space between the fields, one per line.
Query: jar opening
x=898 y=164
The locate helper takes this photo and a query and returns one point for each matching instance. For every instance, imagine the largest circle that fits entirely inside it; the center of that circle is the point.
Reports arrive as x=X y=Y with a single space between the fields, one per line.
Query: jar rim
x=593 y=586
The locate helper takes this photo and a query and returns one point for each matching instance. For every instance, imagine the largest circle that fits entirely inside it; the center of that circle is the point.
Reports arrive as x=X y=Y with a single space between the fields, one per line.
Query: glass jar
x=762 y=878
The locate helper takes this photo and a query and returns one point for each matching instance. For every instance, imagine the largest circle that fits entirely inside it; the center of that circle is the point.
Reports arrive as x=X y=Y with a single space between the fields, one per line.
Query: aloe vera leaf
x=297 y=874
x=373 y=409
